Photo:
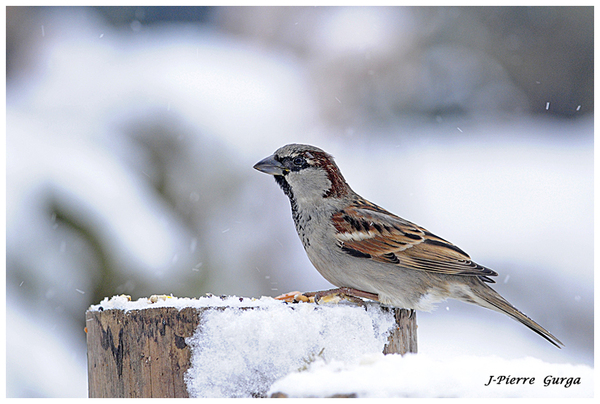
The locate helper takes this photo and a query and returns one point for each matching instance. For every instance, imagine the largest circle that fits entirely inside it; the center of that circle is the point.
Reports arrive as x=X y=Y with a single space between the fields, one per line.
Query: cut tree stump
x=143 y=353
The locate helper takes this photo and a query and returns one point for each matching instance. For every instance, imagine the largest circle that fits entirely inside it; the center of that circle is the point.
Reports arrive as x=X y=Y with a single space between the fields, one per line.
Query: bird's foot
x=335 y=295
x=329 y=296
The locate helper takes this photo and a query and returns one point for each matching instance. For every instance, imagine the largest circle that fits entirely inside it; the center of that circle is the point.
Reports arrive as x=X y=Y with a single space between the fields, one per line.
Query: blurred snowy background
x=132 y=131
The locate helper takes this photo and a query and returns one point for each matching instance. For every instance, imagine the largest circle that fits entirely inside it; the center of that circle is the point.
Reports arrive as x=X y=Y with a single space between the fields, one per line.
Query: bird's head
x=305 y=173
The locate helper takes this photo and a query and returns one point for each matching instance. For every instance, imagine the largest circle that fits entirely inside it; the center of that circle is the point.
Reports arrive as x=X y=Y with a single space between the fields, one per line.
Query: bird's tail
x=494 y=301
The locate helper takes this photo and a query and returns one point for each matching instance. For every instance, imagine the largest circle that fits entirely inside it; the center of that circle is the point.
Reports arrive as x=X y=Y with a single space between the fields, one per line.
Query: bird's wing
x=366 y=230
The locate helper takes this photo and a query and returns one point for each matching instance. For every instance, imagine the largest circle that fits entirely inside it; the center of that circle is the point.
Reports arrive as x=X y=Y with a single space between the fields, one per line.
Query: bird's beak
x=271 y=166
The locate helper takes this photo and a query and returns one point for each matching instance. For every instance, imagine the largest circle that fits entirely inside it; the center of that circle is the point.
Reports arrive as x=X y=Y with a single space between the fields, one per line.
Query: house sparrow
x=369 y=252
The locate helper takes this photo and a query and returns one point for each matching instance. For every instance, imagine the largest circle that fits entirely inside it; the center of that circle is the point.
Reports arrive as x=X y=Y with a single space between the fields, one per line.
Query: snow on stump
x=228 y=346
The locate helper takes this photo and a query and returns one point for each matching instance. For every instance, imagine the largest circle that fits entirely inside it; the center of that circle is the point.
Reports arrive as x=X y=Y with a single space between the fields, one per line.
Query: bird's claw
x=335 y=297
x=329 y=296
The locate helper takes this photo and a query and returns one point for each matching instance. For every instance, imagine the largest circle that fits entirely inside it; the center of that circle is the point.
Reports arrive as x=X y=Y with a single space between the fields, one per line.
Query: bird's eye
x=298 y=161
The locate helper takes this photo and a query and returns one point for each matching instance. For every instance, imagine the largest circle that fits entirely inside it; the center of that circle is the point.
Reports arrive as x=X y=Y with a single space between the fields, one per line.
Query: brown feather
x=372 y=232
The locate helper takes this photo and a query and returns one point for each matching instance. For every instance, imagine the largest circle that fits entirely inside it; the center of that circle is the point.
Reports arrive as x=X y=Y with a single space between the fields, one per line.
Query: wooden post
x=403 y=337
x=139 y=353
x=143 y=353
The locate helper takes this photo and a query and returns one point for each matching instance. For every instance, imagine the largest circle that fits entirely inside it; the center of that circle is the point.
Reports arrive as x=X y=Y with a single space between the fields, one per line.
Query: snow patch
x=124 y=302
x=240 y=353
x=421 y=375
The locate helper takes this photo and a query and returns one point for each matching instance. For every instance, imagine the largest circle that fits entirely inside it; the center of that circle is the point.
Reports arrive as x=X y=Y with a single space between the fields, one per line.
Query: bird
x=368 y=252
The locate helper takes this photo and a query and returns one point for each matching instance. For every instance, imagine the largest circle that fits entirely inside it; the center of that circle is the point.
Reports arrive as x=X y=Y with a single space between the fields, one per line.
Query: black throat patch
x=299 y=220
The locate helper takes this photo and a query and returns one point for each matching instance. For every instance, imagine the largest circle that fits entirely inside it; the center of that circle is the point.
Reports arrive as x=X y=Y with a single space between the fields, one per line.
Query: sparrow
x=368 y=252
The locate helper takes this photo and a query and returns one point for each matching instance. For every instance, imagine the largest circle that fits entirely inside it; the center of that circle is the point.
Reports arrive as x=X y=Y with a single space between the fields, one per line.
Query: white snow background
x=129 y=170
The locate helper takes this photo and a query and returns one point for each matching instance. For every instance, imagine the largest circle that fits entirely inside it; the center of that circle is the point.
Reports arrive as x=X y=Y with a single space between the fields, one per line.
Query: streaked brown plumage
x=356 y=244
